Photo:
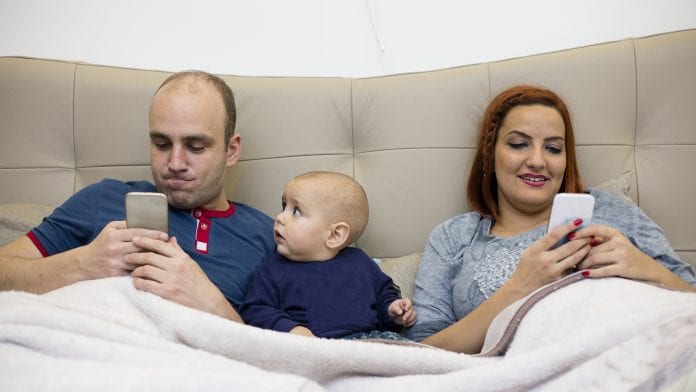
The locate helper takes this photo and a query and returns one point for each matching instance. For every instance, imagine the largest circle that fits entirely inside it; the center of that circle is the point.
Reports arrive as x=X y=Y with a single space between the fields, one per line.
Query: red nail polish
x=570 y=236
x=594 y=243
x=586 y=273
x=577 y=222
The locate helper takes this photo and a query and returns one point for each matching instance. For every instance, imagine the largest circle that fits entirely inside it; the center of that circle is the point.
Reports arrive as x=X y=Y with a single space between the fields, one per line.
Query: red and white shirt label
x=204 y=225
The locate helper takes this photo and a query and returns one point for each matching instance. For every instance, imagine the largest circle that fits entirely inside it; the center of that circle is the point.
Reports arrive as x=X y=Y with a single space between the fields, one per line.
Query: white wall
x=321 y=37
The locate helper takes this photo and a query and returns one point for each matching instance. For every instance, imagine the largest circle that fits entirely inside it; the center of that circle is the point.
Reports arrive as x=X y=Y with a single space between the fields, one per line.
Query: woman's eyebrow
x=526 y=136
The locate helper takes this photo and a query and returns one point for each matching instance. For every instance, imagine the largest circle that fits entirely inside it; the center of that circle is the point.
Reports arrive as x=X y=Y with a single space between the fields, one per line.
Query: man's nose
x=177 y=159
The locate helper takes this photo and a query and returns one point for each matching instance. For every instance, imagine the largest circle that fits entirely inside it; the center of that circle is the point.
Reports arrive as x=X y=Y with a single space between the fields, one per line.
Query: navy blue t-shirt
x=332 y=298
x=228 y=245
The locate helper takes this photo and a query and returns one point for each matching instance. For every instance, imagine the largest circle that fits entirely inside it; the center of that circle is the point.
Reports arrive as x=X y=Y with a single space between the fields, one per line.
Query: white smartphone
x=568 y=207
x=147 y=210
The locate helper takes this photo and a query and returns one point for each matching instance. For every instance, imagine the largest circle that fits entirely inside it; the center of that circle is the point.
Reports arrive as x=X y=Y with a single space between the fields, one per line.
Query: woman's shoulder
x=609 y=201
x=618 y=212
x=460 y=226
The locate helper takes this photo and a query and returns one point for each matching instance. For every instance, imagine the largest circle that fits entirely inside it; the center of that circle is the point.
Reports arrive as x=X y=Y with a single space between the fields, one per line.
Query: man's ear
x=338 y=235
x=234 y=149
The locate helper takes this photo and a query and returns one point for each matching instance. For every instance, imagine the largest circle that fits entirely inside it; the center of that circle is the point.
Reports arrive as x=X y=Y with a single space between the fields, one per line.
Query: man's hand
x=105 y=256
x=24 y=268
x=166 y=270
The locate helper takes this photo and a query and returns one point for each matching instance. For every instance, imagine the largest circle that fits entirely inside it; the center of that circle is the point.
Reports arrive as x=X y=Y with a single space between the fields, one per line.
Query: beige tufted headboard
x=407 y=138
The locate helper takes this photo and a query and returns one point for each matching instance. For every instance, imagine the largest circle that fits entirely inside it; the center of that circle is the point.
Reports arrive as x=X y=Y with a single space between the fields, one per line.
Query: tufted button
x=198 y=213
x=204 y=226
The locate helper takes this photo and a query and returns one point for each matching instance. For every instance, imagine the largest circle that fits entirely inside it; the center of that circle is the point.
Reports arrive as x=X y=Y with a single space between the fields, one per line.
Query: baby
x=316 y=285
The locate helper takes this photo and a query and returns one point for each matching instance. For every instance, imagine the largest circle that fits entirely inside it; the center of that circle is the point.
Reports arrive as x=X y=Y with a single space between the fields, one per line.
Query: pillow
x=17 y=219
x=619 y=186
x=402 y=270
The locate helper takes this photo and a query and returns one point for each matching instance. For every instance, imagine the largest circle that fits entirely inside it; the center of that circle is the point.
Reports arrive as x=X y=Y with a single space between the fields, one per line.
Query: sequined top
x=463 y=264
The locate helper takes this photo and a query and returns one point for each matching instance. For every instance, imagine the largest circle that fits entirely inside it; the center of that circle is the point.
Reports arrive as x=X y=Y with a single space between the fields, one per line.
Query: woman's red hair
x=482 y=189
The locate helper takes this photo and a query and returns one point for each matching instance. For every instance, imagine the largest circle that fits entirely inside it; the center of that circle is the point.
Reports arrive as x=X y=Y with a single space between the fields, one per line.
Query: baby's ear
x=338 y=236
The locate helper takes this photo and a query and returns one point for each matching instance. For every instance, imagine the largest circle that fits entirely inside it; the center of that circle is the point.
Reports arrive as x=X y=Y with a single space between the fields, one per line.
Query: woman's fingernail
x=585 y=273
x=577 y=222
x=570 y=236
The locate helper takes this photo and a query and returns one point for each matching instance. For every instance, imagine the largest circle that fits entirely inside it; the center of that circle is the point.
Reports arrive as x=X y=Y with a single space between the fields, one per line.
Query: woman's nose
x=536 y=158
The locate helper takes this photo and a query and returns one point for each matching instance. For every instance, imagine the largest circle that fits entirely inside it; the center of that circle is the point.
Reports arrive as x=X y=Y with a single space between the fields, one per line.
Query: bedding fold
x=600 y=334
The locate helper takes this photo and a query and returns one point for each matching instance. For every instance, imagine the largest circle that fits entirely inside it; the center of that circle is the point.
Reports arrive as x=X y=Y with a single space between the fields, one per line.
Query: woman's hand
x=613 y=254
x=540 y=265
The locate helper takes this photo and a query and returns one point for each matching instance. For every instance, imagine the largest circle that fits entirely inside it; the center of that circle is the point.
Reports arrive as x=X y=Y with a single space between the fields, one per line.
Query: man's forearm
x=22 y=268
x=226 y=310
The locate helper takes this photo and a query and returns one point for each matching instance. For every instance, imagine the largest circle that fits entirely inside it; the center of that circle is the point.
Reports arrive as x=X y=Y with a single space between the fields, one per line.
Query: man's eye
x=296 y=212
x=196 y=148
x=161 y=146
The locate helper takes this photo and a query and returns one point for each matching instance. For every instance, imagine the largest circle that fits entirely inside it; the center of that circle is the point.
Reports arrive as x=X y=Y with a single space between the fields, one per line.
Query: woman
x=477 y=263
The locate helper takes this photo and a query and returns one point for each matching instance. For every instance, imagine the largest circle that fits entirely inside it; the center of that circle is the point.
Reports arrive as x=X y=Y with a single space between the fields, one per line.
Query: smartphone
x=568 y=207
x=147 y=210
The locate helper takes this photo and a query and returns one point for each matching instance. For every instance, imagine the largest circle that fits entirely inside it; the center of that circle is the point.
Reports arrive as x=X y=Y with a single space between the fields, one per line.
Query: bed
x=408 y=139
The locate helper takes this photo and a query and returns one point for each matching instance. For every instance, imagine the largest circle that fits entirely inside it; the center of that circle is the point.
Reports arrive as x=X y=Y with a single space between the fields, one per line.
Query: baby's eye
x=282 y=206
x=296 y=212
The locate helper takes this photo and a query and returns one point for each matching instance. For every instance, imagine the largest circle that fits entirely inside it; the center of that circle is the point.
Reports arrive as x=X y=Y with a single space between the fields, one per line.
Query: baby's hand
x=300 y=330
x=402 y=312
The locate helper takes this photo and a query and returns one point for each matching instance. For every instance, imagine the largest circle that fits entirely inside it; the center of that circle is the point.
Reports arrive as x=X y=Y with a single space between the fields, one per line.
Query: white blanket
x=609 y=334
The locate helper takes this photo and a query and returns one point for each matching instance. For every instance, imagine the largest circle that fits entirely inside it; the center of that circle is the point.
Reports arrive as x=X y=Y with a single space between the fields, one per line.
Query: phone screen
x=147 y=210
x=570 y=206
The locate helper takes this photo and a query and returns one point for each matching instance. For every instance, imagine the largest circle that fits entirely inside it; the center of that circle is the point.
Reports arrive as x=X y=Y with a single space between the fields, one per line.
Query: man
x=192 y=139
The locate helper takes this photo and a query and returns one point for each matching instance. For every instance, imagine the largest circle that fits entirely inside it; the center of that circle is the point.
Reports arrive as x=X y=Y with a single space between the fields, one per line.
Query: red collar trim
x=201 y=212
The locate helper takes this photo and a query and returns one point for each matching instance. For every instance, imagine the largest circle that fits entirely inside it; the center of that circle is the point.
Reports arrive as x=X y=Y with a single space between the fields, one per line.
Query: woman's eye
x=517 y=146
x=554 y=149
x=296 y=212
